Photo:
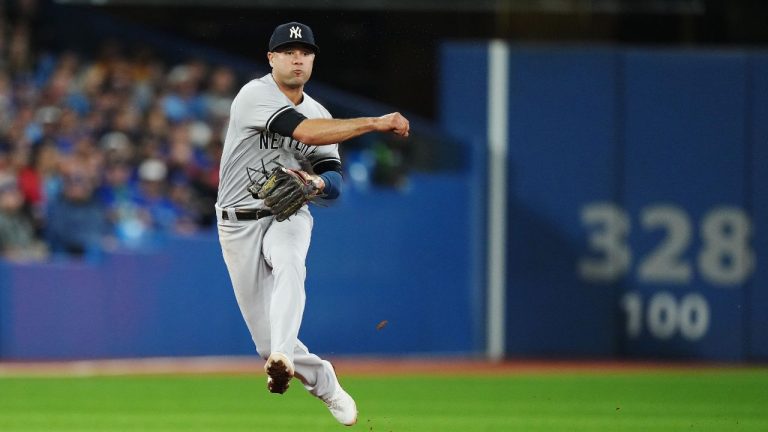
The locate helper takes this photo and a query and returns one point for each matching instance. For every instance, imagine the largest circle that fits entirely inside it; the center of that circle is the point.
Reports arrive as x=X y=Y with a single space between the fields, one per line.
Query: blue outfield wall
x=374 y=256
x=467 y=102
x=404 y=257
x=685 y=186
x=174 y=302
x=757 y=115
x=637 y=199
x=556 y=96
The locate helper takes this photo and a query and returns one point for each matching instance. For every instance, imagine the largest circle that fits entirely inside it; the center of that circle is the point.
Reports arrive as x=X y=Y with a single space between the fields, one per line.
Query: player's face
x=292 y=65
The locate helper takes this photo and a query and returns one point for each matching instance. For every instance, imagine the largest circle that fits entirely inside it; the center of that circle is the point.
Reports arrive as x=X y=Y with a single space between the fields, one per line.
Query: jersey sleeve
x=325 y=158
x=259 y=105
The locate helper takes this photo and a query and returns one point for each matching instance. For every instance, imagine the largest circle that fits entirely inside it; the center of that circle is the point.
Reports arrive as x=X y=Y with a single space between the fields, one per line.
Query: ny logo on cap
x=295 y=32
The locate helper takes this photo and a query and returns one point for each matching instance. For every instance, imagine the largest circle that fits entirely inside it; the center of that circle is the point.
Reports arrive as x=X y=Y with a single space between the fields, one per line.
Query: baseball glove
x=286 y=190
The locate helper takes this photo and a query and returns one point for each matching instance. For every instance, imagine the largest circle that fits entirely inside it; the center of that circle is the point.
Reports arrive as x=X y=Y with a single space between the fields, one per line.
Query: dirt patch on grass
x=373 y=366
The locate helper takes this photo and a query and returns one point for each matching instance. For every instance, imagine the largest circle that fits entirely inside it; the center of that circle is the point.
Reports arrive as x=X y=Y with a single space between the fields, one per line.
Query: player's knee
x=288 y=260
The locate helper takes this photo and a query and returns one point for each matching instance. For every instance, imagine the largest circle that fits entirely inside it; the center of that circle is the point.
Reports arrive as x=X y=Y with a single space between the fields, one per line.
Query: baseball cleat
x=342 y=406
x=280 y=371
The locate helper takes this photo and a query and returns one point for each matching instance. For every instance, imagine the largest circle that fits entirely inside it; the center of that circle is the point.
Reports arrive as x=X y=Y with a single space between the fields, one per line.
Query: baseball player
x=281 y=151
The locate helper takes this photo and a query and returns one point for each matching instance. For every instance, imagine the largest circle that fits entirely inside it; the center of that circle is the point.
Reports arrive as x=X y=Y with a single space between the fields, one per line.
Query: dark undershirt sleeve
x=333 y=184
x=330 y=171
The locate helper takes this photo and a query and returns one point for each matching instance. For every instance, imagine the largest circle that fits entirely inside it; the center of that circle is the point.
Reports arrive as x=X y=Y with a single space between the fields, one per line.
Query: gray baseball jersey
x=250 y=142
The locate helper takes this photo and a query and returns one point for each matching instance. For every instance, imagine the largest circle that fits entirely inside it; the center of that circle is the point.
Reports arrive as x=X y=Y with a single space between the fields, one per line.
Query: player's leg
x=285 y=249
x=319 y=378
x=250 y=275
x=317 y=375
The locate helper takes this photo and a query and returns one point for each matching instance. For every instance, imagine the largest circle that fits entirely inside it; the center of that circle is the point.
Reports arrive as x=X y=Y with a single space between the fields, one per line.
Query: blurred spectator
x=199 y=70
x=207 y=182
x=148 y=75
x=127 y=120
x=185 y=205
x=39 y=180
x=118 y=194
x=116 y=147
x=152 y=196
x=76 y=220
x=19 y=49
x=6 y=100
x=219 y=95
x=70 y=129
x=17 y=236
x=85 y=156
x=156 y=122
x=183 y=101
x=5 y=157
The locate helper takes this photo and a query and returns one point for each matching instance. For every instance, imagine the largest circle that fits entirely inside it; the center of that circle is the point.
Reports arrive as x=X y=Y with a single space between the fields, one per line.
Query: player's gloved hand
x=285 y=191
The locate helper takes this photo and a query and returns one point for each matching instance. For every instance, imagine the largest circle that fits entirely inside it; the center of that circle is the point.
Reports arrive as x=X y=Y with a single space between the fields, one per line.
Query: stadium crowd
x=119 y=149
x=114 y=151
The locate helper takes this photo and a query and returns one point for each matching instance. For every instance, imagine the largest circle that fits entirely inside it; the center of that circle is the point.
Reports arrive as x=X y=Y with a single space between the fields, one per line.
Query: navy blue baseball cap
x=292 y=32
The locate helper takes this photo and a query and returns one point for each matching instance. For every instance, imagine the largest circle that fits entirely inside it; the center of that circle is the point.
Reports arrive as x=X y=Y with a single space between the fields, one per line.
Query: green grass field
x=699 y=400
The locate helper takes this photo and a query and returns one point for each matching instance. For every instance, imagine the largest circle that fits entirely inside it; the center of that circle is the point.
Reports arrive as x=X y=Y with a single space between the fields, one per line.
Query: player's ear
x=269 y=58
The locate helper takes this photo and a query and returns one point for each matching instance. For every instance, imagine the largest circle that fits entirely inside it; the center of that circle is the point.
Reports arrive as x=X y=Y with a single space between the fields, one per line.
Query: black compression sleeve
x=284 y=121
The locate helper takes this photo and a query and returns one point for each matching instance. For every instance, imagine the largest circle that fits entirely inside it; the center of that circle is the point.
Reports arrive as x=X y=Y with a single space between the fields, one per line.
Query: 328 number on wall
x=725 y=257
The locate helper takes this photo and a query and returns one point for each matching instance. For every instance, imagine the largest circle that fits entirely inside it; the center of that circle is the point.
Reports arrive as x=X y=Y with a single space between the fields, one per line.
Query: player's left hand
x=285 y=191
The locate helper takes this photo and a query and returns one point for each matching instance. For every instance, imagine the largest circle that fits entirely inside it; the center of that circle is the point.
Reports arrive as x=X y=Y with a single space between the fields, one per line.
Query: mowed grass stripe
x=663 y=401
x=165 y=422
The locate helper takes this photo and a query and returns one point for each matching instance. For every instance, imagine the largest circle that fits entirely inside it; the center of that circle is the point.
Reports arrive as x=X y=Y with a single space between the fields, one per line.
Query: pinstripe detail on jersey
x=236 y=157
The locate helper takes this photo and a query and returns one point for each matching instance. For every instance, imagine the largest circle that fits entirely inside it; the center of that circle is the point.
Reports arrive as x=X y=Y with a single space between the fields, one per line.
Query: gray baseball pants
x=266 y=263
